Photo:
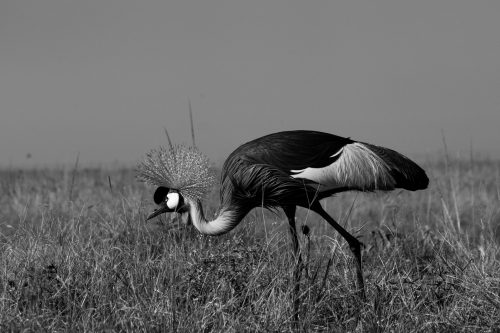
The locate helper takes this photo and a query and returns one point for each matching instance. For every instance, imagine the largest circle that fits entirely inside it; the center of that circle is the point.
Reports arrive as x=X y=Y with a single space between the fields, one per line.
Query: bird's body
x=314 y=161
x=297 y=168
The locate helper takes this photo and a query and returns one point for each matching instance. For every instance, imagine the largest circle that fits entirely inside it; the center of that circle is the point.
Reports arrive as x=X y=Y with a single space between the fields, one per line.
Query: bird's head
x=168 y=201
x=181 y=174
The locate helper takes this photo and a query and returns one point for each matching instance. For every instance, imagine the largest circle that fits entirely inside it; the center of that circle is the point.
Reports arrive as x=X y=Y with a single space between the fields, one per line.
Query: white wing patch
x=357 y=167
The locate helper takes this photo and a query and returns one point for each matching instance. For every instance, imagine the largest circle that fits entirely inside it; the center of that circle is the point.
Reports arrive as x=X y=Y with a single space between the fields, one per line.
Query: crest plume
x=182 y=168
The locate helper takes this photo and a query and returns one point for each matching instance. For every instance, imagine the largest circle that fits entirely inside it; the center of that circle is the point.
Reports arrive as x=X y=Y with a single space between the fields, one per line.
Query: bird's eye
x=172 y=200
x=160 y=194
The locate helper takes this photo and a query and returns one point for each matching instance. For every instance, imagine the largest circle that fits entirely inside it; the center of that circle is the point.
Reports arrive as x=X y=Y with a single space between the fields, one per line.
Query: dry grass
x=76 y=255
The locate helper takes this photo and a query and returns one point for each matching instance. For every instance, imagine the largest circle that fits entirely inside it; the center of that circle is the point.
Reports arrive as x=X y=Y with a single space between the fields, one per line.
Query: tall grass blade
x=168 y=138
x=191 y=120
x=110 y=185
x=446 y=156
x=73 y=176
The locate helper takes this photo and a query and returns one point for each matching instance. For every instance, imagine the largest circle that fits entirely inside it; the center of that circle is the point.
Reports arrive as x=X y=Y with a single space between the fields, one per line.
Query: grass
x=77 y=255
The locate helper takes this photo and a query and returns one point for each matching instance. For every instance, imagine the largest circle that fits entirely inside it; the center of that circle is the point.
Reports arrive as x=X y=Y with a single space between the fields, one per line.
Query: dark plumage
x=258 y=173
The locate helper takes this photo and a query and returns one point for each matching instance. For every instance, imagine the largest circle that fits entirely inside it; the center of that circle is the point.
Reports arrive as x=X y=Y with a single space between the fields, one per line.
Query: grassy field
x=77 y=255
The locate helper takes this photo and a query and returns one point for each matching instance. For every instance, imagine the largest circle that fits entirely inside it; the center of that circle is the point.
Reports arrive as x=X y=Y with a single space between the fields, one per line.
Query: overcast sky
x=102 y=78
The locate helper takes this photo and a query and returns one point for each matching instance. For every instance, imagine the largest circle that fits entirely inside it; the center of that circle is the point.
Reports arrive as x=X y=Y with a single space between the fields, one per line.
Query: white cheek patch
x=172 y=200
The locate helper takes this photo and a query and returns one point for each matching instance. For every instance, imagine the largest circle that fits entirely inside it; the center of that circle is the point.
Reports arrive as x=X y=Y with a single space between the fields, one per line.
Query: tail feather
x=406 y=173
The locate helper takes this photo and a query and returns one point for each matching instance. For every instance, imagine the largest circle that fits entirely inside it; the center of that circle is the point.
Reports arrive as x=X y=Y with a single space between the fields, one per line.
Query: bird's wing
x=292 y=150
x=364 y=167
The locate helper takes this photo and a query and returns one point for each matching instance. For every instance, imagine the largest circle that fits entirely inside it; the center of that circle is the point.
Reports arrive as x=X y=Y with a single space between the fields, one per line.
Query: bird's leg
x=354 y=245
x=290 y=214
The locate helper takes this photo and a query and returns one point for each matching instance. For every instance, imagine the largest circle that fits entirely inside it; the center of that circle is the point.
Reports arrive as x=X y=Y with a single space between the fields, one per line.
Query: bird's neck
x=225 y=221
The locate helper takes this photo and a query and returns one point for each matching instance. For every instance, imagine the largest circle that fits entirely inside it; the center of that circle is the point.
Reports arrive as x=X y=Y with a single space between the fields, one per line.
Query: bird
x=282 y=170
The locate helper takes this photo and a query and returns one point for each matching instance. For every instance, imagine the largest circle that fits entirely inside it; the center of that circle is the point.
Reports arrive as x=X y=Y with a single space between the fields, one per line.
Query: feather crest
x=179 y=167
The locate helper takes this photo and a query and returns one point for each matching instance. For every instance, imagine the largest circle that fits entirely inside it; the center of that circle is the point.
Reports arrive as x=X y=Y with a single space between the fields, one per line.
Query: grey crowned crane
x=279 y=170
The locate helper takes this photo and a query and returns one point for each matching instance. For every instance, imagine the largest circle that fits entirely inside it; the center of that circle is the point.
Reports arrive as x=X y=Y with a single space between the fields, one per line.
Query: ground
x=77 y=255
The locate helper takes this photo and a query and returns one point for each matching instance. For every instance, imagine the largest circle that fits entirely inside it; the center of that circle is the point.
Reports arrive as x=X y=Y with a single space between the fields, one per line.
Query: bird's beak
x=161 y=210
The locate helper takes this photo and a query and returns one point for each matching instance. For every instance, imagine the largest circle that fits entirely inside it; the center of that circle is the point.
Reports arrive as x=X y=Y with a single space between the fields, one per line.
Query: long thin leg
x=290 y=214
x=354 y=245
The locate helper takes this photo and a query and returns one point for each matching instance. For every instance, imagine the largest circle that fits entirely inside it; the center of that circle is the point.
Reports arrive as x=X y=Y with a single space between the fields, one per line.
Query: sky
x=102 y=78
